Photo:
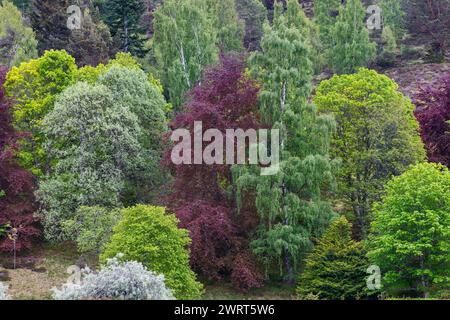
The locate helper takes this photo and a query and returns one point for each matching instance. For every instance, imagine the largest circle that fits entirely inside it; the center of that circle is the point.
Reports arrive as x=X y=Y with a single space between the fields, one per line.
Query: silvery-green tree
x=291 y=203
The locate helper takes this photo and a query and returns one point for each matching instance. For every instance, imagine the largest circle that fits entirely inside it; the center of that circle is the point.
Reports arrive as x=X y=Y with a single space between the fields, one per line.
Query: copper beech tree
x=202 y=194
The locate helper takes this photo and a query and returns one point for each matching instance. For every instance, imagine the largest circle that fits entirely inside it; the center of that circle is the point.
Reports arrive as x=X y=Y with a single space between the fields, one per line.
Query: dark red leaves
x=433 y=112
x=202 y=194
x=16 y=184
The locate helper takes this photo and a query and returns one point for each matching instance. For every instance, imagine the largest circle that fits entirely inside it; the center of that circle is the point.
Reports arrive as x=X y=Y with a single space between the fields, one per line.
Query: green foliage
x=411 y=231
x=230 y=29
x=148 y=235
x=18 y=43
x=325 y=13
x=289 y=203
x=34 y=86
x=123 y=18
x=92 y=227
x=131 y=88
x=377 y=136
x=350 y=46
x=393 y=17
x=336 y=268
x=184 y=42
x=389 y=47
x=298 y=19
x=94 y=142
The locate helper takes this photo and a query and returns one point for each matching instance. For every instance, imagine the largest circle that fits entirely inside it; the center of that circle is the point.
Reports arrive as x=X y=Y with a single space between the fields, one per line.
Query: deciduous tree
x=18 y=43
x=17 y=204
x=377 y=136
x=410 y=232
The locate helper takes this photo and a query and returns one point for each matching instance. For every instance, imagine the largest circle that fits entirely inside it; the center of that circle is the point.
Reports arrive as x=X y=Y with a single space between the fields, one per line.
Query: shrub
x=92 y=227
x=117 y=280
x=336 y=268
x=411 y=232
x=3 y=295
x=148 y=235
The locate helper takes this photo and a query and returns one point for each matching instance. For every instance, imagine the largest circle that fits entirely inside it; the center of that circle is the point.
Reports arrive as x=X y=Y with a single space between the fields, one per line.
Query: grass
x=34 y=281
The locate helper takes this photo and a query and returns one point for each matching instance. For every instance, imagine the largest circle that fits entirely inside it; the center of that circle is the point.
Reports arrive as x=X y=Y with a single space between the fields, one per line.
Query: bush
x=117 y=280
x=411 y=232
x=336 y=268
x=92 y=227
x=148 y=235
x=3 y=295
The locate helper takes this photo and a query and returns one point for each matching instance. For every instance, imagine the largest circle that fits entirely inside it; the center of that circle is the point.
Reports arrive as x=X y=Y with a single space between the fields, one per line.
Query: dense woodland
x=89 y=97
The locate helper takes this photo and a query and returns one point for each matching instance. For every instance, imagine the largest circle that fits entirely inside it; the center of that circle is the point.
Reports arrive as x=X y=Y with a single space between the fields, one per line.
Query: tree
x=17 y=204
x=325 y=13
x=49 y=22
x=149 y=235
x=89 y=44
x=431 y=18
x=94 y=141
x=393 y=17
x=377 y=136
x=180 y=55
x=131 y=87
x=34 y=86
x=123 y=18
x=336 y=267
x=350 y=44
x=289 y=203
x=410 y=231
x=254 y=14
x=226 y=99
x=433 y=112
x=230 y=28
x=17 y=39
x=297 y=18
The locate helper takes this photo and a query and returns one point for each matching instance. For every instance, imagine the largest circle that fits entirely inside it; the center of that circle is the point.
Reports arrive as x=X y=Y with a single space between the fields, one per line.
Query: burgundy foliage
x=16 y=184
x=433 y=114
x=202 y=194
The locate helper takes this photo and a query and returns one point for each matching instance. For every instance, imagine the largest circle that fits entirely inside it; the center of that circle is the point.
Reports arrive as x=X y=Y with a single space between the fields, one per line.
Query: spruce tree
x=350 y=44
x=184 y=42
x=290 y=203
x=336 y=268
x=123 y=18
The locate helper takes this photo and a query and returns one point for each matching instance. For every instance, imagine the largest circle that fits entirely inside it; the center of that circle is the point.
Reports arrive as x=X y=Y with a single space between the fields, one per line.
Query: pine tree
x=184 y=42
x=123 y=18
x=350 y=45
x=289 y=203
x=336 y=268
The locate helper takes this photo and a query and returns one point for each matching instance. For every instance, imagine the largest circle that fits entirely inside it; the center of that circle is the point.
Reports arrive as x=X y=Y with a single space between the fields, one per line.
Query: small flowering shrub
x=117 y=280
x=3 y=295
